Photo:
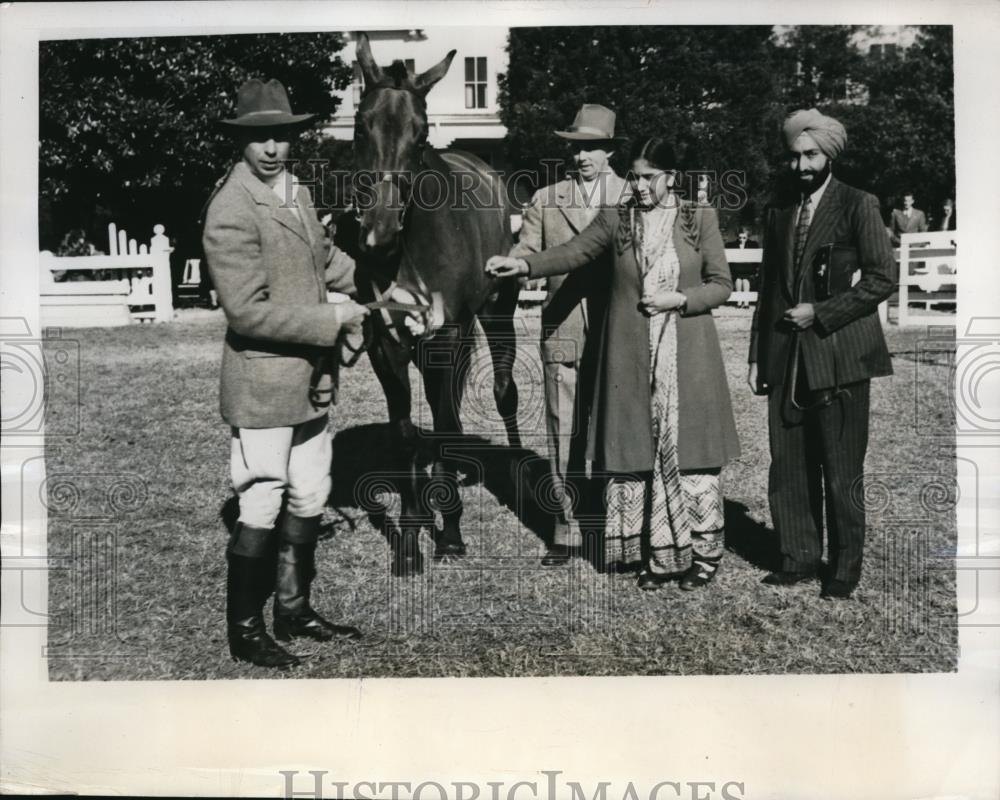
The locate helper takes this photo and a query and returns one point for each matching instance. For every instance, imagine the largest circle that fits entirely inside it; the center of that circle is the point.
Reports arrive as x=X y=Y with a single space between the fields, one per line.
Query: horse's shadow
x=364 y=464
x=363 y=457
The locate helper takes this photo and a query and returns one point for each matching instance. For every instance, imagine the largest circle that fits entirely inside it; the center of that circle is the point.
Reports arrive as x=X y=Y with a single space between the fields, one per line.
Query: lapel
x=785 y=229
x=823 y=222
x=570 y=203
x=264 y=195
x=286 y=216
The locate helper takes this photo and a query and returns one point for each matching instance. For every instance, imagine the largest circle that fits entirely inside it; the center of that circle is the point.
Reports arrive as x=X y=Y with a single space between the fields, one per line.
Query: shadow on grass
x=509 y=474
x=751 y=541
x=363 y=453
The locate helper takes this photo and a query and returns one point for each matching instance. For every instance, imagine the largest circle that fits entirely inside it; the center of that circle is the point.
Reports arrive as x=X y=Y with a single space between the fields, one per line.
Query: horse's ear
x=425 y=80
x=371 y=71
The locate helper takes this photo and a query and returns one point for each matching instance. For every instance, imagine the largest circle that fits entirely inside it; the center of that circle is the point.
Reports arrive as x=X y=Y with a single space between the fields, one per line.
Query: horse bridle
x=332 y=359
x=425 y=302
x=393 y=179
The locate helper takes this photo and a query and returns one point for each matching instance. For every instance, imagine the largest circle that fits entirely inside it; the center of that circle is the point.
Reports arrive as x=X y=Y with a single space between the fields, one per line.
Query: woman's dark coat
x=621 y=434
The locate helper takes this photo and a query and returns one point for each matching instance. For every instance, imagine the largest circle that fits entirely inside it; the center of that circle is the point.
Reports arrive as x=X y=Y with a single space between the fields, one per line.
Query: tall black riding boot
x=249 y=582
x=293 y=615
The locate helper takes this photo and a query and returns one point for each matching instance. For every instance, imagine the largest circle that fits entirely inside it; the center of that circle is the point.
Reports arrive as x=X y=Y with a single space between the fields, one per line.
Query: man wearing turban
x=815 y=344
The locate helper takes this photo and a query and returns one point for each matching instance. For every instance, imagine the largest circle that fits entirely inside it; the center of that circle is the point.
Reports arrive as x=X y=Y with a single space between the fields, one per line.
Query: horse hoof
x=407 y=566
x=443 y=551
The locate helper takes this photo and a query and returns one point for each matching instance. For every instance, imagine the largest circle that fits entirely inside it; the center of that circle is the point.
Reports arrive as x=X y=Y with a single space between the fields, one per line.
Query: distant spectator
x=908 y=219
x=743 y=274
x=949 y=217
x=76 y=243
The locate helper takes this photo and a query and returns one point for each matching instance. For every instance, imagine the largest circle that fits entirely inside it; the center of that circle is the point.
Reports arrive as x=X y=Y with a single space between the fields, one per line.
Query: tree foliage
x=903 y=137
x=722 y=92
x=711 y=90
x=128 y=127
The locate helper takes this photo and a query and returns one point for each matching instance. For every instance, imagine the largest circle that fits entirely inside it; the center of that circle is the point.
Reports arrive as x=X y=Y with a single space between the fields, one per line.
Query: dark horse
x=426 y=222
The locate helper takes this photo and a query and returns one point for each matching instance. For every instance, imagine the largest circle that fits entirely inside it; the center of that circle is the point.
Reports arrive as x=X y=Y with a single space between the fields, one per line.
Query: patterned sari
x=676 y=511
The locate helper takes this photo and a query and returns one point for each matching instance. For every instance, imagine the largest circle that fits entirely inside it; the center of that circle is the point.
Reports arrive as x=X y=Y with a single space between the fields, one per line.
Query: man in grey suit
x=816 y=343
x=907 y=219
x=572 y=308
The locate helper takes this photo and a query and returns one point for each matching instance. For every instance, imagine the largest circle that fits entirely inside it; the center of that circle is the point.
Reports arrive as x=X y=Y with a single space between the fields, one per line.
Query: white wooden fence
x=927 y=276
x=142 y=293
x=735 y=255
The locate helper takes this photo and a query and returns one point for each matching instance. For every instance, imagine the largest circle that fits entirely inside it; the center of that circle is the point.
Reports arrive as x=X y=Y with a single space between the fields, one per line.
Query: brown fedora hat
x=260 y=104
x=593 y=123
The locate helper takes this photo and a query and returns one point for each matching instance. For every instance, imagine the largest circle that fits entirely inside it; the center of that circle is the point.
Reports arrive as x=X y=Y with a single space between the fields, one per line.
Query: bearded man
x=816 y=343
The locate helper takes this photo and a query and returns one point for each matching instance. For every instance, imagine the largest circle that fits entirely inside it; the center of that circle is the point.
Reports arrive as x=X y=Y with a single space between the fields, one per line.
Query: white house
x=462 y=107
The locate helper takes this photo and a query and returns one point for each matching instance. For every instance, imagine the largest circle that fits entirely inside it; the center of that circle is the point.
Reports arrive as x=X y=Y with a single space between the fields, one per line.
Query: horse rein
x=332 y=359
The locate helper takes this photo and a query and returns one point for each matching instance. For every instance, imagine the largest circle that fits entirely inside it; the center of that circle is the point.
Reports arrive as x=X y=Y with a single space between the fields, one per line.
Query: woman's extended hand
x=661 y=301
x=505 y=266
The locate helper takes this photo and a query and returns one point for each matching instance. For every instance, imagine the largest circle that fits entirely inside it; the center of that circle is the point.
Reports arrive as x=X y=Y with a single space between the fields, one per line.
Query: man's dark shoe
x=311 y=626
x=249 y=641
x=556 y=555
x=783 y=578
x=837 y=590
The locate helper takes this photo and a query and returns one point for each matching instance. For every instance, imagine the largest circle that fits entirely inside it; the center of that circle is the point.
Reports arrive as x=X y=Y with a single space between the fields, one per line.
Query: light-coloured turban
x=828 y=134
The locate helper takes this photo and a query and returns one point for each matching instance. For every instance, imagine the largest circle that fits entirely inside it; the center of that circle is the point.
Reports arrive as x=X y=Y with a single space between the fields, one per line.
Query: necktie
x=802 y=229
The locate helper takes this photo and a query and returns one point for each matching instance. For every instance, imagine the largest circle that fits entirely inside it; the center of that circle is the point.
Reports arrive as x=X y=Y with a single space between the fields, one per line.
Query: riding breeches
x=265 y=462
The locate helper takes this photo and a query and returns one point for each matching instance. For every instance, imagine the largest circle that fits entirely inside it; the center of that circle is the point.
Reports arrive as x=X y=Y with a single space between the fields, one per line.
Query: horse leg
x=497 y=320
x=390 y=363
x=444 y=369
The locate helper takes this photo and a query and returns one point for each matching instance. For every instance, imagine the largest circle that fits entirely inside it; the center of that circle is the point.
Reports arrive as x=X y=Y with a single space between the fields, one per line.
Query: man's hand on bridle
x=350 y=316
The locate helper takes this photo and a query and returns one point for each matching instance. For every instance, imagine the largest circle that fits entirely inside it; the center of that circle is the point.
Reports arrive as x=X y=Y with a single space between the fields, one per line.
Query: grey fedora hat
x=261 y=104
x=593 y=122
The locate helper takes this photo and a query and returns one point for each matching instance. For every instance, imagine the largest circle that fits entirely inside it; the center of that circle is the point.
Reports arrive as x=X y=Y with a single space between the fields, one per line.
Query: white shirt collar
x=286 y=182
x=596 y=193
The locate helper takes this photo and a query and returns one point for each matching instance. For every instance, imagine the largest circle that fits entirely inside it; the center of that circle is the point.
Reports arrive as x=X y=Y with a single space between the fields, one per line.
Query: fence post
x=159 y=247
x=904 y=283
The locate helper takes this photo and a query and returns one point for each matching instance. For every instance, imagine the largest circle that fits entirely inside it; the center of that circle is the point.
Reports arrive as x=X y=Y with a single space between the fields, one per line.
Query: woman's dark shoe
x=651 y=581
x=700 y=573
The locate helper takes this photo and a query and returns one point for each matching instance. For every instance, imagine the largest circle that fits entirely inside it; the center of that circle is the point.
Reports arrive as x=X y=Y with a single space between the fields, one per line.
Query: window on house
x=475 y=82
x=883 y=51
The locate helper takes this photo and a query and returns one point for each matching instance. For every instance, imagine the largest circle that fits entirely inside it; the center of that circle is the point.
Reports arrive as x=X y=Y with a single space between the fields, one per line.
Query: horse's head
x=390 y=134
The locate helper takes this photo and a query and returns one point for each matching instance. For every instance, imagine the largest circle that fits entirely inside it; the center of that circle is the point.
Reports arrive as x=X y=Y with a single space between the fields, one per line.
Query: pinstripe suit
x=819 y=454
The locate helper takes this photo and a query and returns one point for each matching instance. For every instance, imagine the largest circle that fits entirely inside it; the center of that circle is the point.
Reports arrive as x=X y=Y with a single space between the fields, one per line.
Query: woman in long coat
x=663 y=424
